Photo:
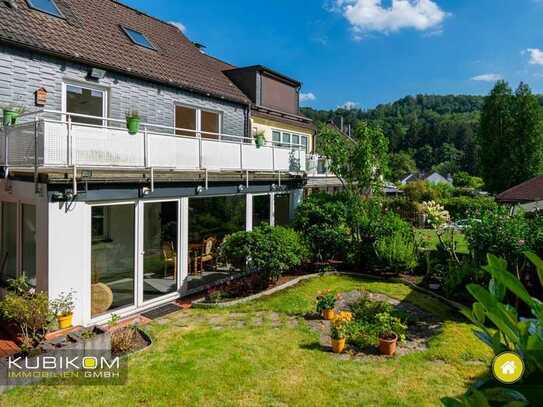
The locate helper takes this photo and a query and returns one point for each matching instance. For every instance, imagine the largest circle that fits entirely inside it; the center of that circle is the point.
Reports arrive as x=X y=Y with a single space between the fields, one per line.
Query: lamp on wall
x=241 y=188
x=97 y=73
x=199 y=189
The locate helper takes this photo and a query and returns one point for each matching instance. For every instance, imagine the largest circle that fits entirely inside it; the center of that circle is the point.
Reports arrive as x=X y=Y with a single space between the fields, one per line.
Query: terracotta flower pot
x=387 y=346
x=338 y=345
x=328 y=314
x=64 y=321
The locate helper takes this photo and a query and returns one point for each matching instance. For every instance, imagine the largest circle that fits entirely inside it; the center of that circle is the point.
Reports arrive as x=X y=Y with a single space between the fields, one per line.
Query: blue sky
x=366 y=52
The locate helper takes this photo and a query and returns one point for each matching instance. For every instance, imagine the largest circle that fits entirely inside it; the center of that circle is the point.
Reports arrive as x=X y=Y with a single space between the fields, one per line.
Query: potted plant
x=11 y=115
x=63 y=307
x=340 y=325
x=133 y=122
x=390 y=329
x=326 y=302
x=260 y=139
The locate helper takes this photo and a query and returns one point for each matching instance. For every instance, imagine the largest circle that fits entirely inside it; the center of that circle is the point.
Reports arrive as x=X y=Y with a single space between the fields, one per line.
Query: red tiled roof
x=529 y=191
x=91 y=33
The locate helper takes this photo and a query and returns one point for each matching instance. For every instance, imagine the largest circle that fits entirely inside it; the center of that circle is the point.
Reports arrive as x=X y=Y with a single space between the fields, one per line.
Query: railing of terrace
x=53 y=139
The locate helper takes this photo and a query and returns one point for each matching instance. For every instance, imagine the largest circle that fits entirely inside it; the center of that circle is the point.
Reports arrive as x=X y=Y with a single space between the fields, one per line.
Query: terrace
x=53 y=140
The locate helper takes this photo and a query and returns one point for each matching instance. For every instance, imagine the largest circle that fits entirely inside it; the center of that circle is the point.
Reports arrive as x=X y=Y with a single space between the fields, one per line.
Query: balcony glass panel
x=281 y=209
x=29 y=242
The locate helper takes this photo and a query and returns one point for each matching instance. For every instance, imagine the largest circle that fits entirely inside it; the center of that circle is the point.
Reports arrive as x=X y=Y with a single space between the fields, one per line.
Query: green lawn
x=264 y=353
x=429 y=236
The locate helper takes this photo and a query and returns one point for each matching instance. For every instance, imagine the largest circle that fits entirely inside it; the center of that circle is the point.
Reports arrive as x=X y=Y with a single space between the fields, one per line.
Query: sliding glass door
x=160 y=249
x=112 y=258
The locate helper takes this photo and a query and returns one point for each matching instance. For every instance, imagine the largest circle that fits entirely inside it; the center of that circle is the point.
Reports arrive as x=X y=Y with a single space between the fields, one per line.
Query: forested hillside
x=425 y=131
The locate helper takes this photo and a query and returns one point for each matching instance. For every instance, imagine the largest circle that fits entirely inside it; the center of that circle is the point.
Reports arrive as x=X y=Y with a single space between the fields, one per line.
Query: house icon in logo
x=509 y=368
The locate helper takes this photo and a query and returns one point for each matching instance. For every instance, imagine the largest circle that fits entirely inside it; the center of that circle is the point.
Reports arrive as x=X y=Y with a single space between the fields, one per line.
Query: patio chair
x=169 y=257
x=204 y=254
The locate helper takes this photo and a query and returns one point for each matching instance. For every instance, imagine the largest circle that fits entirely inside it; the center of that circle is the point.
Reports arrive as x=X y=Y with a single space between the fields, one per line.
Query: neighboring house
x=432 y=178
x=528 y=195
x=131 y=221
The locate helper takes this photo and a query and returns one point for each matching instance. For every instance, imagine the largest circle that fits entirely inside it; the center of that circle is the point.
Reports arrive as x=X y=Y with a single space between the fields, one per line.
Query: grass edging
x=408 y=283
x=202 y=304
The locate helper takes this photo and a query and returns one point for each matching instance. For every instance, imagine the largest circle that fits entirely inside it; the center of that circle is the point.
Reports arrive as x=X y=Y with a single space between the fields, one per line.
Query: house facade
x=130 y=221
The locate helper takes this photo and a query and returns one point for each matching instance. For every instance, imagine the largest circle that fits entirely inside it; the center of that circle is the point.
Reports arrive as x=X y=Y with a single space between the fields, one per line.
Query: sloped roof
x=91 y=33
x=529 y=191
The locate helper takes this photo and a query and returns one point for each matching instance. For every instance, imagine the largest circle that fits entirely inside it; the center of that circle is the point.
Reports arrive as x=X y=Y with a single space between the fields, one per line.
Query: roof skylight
x=45 y=6
x=138 y=38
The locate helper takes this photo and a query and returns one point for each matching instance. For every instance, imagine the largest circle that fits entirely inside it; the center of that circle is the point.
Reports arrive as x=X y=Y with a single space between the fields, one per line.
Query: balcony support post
x=206 y=180
x=6 y=155
x=146 y=162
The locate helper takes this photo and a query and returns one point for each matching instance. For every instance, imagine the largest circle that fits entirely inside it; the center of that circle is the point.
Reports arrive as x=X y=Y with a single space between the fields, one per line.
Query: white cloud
x=488 y=77
x=349 y=105
x=307 y=97
x=371 y=15
x=536 y=56
x=179 y=25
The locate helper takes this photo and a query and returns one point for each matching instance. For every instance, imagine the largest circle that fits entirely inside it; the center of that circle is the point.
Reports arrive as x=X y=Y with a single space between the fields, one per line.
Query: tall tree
x=495 y=135
x=527 y=147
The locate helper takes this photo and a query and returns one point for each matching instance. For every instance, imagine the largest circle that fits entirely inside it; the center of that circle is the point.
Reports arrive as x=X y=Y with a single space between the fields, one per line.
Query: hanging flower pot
x=259 y=140
x=10 y=117
x=133 y=122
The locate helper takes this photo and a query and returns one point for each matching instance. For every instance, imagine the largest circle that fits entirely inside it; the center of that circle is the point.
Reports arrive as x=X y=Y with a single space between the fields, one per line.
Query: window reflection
x=281 y=209
x=210 y=220
x=29 y=242
x=160 y=249
x=9 y=242
x=261 y=209
x=112 y=258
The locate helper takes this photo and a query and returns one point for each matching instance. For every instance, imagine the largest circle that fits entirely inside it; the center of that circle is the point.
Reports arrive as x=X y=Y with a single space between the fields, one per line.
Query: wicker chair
x=169 y=257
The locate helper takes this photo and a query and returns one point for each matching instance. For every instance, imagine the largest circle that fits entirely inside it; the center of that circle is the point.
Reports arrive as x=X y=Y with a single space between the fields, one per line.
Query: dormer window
x=45 y=6
x=138 y=38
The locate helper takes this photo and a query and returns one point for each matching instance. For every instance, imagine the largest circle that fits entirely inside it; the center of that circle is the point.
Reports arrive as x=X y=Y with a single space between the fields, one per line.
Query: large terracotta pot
x=328 y=314
x=338 y=345
x=387 y=346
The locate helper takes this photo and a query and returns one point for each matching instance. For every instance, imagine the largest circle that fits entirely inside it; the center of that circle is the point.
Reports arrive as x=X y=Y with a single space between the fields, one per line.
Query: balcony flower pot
x=65 y=321
x=338 y=345
x=328 y=314
x=133 y=125
x=259 y=140
x=10 y=117
x=388 y=344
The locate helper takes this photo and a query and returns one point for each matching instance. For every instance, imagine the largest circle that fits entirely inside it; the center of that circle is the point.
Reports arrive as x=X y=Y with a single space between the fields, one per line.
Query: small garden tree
x=361 y=163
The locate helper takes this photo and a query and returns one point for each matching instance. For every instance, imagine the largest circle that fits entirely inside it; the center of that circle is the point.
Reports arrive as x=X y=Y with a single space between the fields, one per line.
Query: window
x=45 y=6
x=287 y=139
x=281 y=211
x=112 y=261
x=86 y=101
x=304 y=143
x=185 y=118
x=138 y=38
x=28 y=235
x=8 y=261
x=210 y=124
x=261 y=210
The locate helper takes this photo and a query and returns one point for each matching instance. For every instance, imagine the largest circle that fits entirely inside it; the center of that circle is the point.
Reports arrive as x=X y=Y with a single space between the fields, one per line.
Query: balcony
x=318 y=166
x=56 y=140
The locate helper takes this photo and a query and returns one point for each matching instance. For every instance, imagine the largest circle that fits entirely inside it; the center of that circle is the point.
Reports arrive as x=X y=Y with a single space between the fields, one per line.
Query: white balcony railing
x=318 y=166
x=50 y=139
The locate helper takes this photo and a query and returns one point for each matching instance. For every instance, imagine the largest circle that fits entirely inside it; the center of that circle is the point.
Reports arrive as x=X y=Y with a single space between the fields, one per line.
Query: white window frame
x=85 y=85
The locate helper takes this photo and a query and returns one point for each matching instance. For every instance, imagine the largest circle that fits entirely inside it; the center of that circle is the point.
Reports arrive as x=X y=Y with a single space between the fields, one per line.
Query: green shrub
x=421 y=191
x=270 y=251
x=498 y=232
x=397 y=251
x=463 y=180
x=463 y=207
x=322 y=221
x=29 y=310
